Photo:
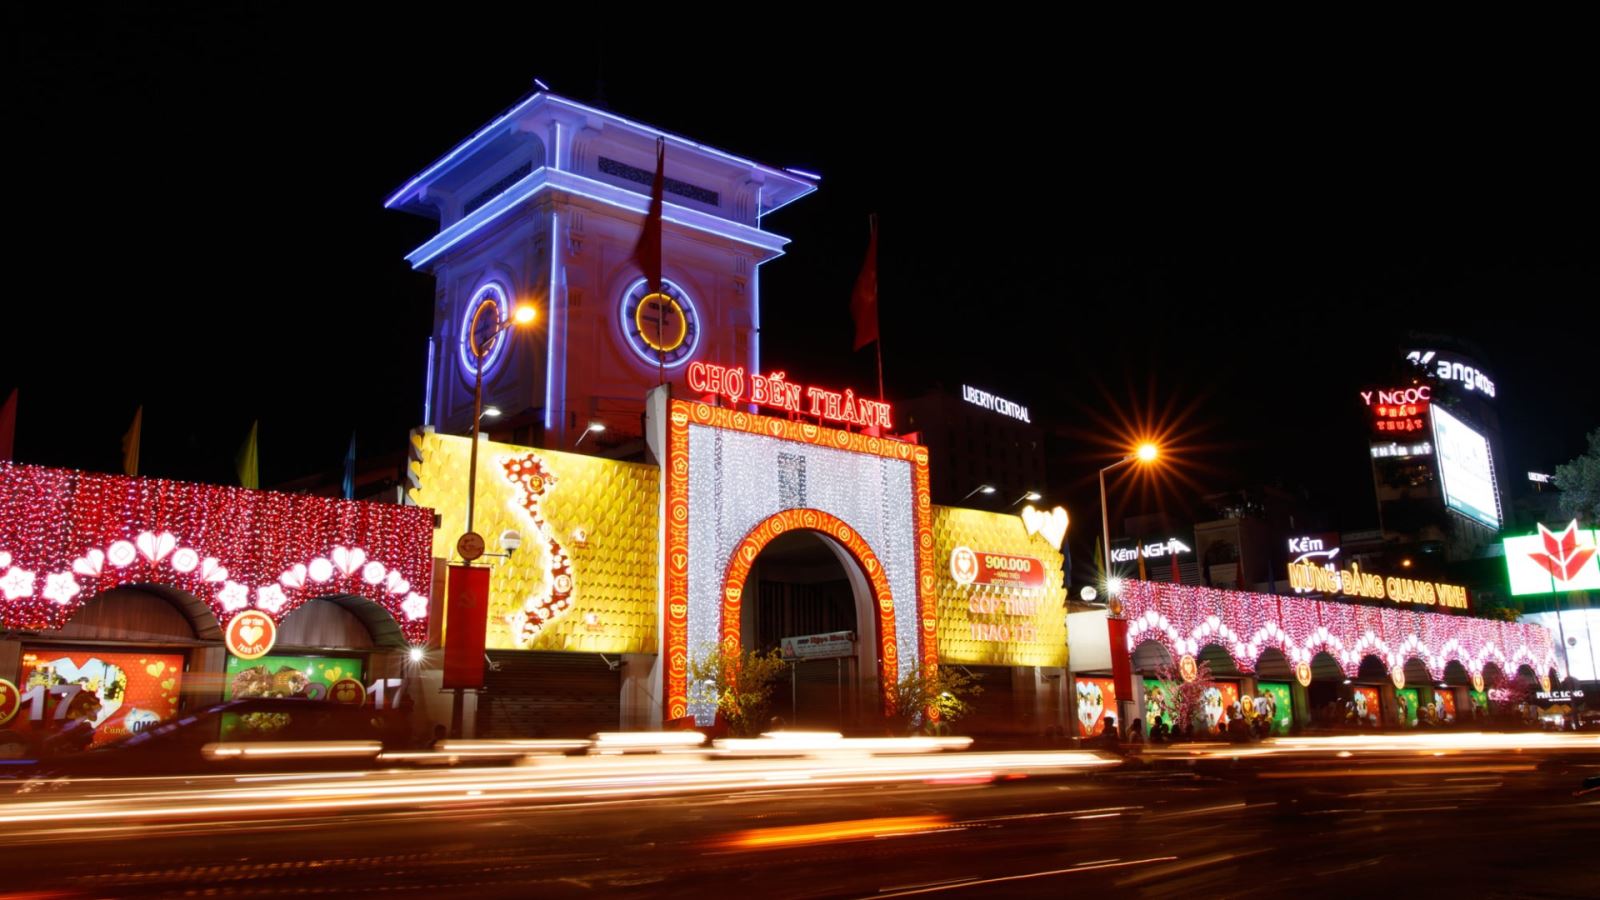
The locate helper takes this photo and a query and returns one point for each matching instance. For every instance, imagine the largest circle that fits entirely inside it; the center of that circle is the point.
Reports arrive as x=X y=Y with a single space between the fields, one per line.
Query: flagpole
x=879 y=343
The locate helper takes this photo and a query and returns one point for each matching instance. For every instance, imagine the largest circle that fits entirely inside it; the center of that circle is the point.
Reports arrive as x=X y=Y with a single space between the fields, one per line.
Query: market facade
x=159 y=597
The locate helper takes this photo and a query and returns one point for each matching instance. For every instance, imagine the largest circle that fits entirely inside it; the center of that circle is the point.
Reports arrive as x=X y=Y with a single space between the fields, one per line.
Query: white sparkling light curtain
x=737 y=479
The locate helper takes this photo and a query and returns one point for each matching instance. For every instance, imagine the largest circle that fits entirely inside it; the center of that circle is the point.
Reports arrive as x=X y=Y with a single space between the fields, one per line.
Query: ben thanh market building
x=651 y=493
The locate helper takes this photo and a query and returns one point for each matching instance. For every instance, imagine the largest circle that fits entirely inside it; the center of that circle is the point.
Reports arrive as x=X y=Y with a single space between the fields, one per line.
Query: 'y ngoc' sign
x=777 y=392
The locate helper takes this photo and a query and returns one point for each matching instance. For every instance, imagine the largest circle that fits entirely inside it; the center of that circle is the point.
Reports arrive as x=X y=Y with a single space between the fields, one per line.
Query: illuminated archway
x=778 y=524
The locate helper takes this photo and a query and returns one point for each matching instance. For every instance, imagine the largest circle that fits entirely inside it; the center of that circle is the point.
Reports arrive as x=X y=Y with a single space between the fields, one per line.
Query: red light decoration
x=1184 y=619
x=67 y=536
x=1398 y=411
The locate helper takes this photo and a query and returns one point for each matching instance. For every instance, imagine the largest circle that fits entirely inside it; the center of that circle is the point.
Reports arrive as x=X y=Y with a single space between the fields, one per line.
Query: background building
x=978 y=439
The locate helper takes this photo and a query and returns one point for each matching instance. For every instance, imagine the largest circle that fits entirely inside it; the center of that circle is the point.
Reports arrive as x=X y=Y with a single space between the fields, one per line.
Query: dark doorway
x=801 y=587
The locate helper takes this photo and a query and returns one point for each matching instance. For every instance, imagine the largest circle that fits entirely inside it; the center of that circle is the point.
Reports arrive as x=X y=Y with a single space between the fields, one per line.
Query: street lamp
x=1030 y=496
x=480 y=347
x=1146 y=454
x=980 y=489
x=596 y=427
x=490 y=412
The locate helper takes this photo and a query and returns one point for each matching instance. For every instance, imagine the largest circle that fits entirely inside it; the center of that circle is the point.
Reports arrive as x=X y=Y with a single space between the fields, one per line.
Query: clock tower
x=544 y=205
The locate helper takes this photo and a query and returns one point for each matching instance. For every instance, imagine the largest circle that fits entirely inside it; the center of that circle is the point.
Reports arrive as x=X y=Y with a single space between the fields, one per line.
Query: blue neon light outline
x=458 y=148
x=540 y=180
x=802 y=173
x=427 y=387
x=550 y=329
x=503 y=302
x=690 y=312
x=556 y=100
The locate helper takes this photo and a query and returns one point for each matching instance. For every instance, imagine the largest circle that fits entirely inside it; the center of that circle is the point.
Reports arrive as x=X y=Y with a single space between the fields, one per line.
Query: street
x=1493 y=822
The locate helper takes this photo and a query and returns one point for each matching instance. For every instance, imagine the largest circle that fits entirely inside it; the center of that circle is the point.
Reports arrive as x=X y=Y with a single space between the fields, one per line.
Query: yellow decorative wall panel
x=585 y=577
x=996 y=624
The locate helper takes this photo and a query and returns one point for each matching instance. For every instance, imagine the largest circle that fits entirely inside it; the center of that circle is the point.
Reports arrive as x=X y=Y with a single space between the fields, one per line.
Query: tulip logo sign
x=1554 y=562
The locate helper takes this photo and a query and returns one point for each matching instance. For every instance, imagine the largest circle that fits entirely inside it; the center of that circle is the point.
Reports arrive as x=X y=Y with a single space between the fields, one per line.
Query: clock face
x=663 y=329
x=480 y=318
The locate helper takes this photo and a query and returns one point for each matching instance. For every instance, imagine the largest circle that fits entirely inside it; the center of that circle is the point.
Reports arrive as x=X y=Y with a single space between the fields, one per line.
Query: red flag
x=466 y=615
x=864 y=299
x=648 y=253
x=8 y=426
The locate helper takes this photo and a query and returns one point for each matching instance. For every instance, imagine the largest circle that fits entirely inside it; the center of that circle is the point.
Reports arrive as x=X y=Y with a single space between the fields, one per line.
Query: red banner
x=968 y=566
x=466 y=620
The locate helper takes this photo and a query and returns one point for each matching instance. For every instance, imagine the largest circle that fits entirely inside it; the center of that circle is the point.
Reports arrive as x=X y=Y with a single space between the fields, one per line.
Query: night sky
x=1108 y=227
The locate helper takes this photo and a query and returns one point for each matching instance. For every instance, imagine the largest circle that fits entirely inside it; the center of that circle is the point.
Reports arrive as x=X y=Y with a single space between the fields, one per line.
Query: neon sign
x=995 y=404
x=775 y=391
x=1168 y=547
x=1352 y=582
x=1452 y=370
x=1399 y=410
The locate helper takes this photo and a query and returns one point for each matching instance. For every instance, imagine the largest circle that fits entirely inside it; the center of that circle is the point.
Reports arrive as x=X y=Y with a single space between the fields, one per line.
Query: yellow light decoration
x=995 y=624
x=613 y=569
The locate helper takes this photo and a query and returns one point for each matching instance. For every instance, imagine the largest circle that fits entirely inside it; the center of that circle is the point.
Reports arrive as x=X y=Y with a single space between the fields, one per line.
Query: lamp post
x=523 y=315
x=1116 y=626
x=1030 y=496
x=595 y=427
x=470 y=546
x=1146 y=453
x=980 y=489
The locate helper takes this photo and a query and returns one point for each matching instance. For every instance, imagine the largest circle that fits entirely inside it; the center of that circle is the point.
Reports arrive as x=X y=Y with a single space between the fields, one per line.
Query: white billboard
x=1578 y=633
x=1466 y=469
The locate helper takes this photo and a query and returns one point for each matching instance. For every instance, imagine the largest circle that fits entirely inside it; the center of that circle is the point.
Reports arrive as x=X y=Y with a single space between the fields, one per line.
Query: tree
x=1181 y=701
x=1579 y=481
x=740 y=684
x=947 y=691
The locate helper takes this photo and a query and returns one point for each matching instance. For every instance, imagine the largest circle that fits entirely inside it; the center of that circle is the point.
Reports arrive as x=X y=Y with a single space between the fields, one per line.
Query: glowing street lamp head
x=986 y=489
x=1113 y=585
x=1147 y=452
x=525 y=314
x=1034 y=496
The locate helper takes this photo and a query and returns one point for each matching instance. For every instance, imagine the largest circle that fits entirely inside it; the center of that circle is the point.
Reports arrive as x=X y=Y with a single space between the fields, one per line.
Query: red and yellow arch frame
x=680 y=415
x=779 y=524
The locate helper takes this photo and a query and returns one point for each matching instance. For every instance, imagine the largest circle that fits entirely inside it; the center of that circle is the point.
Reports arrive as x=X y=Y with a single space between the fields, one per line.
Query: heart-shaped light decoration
x=211 y=571
x=293 y=578
x=155 y=547
x=372 y=572
x=348 y=559
x=1052 y=525
x=89 y=564
x=394 y=584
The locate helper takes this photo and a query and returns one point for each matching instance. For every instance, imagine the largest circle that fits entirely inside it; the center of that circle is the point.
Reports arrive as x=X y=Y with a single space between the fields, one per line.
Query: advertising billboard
x=117 y=694
x=1578 y=631
x=288 y=676
x=1466 y=469
x=1551 y=562
x=1097 y=698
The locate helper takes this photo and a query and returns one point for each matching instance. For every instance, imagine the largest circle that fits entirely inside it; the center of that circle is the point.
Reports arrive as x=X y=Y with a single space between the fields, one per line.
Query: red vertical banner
x=466 y=621
x=1121 y=662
